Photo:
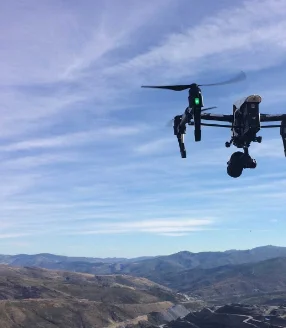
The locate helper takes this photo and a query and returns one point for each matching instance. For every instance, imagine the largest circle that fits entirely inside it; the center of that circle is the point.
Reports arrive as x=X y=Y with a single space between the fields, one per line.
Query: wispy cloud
x=75 y=139
x=155 y=146
x=148 y=226
x=174 y=234
x=269 y=148
x=15 y=184
x=44 y=78
x=222 y=38
x=12 y=235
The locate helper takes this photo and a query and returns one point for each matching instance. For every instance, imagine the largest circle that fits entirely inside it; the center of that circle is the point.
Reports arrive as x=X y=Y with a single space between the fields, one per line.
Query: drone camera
x=235 y=165
x=238 y=162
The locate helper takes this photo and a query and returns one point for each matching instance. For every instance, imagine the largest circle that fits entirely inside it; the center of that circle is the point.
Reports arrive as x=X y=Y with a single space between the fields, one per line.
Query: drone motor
x=195 y=100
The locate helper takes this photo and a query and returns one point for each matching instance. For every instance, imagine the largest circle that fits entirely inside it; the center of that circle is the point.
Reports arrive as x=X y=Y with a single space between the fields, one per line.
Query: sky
x=88 y=163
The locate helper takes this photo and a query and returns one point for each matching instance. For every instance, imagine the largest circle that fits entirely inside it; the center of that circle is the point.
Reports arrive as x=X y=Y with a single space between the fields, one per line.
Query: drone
x=244 y=122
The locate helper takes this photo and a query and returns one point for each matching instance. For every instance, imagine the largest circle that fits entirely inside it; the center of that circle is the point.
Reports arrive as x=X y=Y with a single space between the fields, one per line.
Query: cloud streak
x=253 y=25
x=147 y=226
x=75 y=139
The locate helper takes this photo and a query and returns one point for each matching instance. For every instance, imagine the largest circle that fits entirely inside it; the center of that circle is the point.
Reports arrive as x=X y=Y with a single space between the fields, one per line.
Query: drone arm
x=180 y=131
x=272 y=118
x=217 y=125
x=217 y=117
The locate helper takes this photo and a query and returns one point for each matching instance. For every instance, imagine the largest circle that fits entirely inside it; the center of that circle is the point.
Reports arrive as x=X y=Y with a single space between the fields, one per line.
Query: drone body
x=244 y=122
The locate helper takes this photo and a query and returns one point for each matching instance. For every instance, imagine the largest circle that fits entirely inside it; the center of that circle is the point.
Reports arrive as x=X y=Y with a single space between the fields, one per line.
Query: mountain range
x=154 y=268
x=184 y=289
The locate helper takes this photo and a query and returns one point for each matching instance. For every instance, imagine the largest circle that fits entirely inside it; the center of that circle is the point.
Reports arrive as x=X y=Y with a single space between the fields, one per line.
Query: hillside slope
x=232 y=282
x=32 y=297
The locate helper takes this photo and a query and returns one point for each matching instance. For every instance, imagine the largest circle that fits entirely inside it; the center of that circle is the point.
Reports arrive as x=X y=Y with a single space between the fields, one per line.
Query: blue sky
x=88 y=165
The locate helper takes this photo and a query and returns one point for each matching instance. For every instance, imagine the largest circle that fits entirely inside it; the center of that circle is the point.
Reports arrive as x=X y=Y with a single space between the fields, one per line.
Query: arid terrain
x=33 y=297
x=207 y=292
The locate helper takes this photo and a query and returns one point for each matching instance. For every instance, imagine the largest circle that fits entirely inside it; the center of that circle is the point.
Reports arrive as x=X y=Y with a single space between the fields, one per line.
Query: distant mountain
x=33 y=297
x=215 y=259
x=233 y=282
x=154 y=268
x=46 y=259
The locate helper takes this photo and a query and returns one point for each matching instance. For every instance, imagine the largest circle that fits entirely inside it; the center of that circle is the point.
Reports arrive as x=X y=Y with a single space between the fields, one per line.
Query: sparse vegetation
x=32 y=297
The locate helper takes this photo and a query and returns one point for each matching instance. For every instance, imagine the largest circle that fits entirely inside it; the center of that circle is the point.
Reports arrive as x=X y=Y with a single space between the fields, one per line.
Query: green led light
x=197 y=101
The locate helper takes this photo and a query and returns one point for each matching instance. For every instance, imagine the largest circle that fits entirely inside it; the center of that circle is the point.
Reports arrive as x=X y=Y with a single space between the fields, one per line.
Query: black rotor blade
x=180 y=87
x=168 y=87
x=240 y=77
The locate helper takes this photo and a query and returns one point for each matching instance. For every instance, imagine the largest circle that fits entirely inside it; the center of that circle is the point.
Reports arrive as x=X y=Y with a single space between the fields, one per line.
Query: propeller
x=169 y=123
x=240 y=77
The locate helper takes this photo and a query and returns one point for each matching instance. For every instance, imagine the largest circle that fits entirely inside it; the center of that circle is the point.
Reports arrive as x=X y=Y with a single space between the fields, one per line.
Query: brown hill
x=32 y=297
x=64 y=313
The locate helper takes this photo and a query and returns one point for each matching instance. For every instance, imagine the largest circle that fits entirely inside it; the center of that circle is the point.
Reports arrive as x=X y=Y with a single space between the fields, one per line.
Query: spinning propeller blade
x=169 y=87
x=240 y=77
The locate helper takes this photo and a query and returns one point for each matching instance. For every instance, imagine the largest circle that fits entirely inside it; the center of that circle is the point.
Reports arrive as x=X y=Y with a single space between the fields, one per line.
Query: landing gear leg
x=182 y=145
x=180 y=131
